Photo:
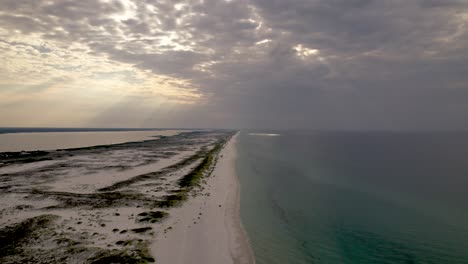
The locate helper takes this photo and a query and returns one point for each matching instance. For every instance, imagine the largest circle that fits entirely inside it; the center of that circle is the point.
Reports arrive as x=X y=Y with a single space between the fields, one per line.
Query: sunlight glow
x=263 y=41
x=304 y=52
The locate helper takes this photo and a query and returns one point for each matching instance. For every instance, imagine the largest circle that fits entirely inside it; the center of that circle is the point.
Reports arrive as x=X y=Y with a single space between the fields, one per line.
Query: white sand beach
x=127 y=202
x=207 y=228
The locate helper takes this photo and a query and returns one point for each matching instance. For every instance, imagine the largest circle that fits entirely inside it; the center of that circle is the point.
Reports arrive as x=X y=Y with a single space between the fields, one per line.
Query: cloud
x=324 y=64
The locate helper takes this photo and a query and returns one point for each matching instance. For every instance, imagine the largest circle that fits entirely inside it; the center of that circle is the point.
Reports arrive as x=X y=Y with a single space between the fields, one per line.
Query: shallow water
x=344 y=197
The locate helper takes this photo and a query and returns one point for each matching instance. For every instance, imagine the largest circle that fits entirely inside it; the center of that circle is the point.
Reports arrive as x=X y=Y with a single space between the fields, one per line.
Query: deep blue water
x=355 y=197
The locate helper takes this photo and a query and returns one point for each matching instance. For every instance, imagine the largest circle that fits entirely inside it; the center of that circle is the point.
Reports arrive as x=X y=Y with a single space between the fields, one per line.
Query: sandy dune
x=171 y=200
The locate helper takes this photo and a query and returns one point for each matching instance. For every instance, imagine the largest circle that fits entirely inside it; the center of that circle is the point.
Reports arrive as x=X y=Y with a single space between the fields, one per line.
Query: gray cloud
x=378 y=64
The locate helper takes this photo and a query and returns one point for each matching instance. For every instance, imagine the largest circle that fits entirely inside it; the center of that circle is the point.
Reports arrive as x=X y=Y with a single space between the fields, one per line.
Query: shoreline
x=207 y=228
x=244 y=253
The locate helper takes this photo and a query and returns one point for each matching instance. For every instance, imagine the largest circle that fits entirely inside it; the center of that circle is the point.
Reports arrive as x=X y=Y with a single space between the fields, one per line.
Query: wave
x=264 y=134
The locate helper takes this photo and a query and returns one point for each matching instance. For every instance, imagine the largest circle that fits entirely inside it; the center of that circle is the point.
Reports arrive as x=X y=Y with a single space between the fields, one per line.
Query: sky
x=276 y=64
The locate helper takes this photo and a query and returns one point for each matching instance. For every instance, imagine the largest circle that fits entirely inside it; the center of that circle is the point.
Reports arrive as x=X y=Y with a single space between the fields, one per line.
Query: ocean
x=355 y=197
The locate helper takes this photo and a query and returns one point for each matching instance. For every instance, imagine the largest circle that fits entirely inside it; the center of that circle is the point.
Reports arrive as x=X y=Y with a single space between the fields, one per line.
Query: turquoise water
x=342 y=197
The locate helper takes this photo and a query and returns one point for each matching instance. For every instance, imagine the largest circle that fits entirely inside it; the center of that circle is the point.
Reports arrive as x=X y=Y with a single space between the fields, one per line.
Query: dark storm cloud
x=372 y=64
x=388 y=65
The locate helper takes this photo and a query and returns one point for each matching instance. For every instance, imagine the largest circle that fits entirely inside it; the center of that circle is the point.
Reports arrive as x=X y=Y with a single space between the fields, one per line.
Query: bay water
x=24 y=139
